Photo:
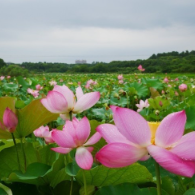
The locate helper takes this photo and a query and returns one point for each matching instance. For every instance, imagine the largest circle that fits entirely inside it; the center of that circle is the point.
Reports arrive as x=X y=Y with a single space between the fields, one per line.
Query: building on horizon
x=81 y=62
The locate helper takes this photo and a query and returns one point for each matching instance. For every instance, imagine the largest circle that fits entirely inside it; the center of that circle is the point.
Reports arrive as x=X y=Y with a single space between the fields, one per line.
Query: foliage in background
x=171 y=62
x=2 y=63
x=13 y=70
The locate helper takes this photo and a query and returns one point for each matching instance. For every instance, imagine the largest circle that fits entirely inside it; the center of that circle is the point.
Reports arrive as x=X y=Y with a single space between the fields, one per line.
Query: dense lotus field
x=97 y=134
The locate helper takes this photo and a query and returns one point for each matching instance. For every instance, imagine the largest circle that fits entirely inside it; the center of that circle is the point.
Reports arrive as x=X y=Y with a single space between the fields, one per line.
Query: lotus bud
x=121 y=91
x=10 y=120
x=116 y=95
x=183 y=87
x=166 y=80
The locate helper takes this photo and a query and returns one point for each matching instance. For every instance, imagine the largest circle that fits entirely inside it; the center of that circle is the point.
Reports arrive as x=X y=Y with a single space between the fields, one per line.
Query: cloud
x=98 y=44
x=134 y=14
x=103 y=30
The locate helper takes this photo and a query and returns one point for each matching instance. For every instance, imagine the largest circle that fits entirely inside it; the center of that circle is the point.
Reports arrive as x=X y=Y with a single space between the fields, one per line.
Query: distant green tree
x=2 y=63
x=161 y=62
x=153 y=56
x=13 y=70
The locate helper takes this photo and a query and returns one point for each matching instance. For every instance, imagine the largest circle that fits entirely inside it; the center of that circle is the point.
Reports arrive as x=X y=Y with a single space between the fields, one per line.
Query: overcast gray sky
x=94 y=30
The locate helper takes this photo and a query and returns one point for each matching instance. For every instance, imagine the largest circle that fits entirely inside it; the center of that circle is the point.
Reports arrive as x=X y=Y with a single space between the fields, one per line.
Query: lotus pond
x=97 y=134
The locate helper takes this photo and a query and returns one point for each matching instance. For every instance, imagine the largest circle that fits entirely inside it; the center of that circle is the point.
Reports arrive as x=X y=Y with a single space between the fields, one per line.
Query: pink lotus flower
x=44 y=132
x=8 y=77
x=142 y=104
x=53 y=83
x=33 y=92
x=2 y=77
x=62 y=100
x=120 y=77
x=74 y=135
x=183 y=87
x=10 y=121
x=90 y=83
x=176 y=79
x=61 y=80
x=87 y=86
x=166 y=80
x=133 y=138
x=140 y=68
x=39 y=87
x=120 y=81
x=163 y=92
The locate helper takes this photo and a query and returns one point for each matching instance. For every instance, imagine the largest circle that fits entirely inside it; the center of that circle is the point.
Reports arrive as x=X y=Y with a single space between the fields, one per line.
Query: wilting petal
x=82 y=131
x=111 y=134
x=171 y=161
x=55 y=102
x=79 y=93
x=170 y=129
x=93 y=139
x=63 y=139
x=61 y=150
x=84 y=158
x=86 y=101
x=132 y=125
x=116 y=155
x=185 y=150
x=67 y=93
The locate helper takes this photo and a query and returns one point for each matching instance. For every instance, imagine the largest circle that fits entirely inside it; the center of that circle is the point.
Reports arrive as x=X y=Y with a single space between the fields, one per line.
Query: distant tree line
x=172 y=62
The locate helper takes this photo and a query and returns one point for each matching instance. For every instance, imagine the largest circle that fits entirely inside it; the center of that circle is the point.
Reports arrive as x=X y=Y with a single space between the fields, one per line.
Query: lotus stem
x=157 y=169
x=70 y=115
x=84 y=180
x=24 y=156
x=19 y=168
x=71 y=186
